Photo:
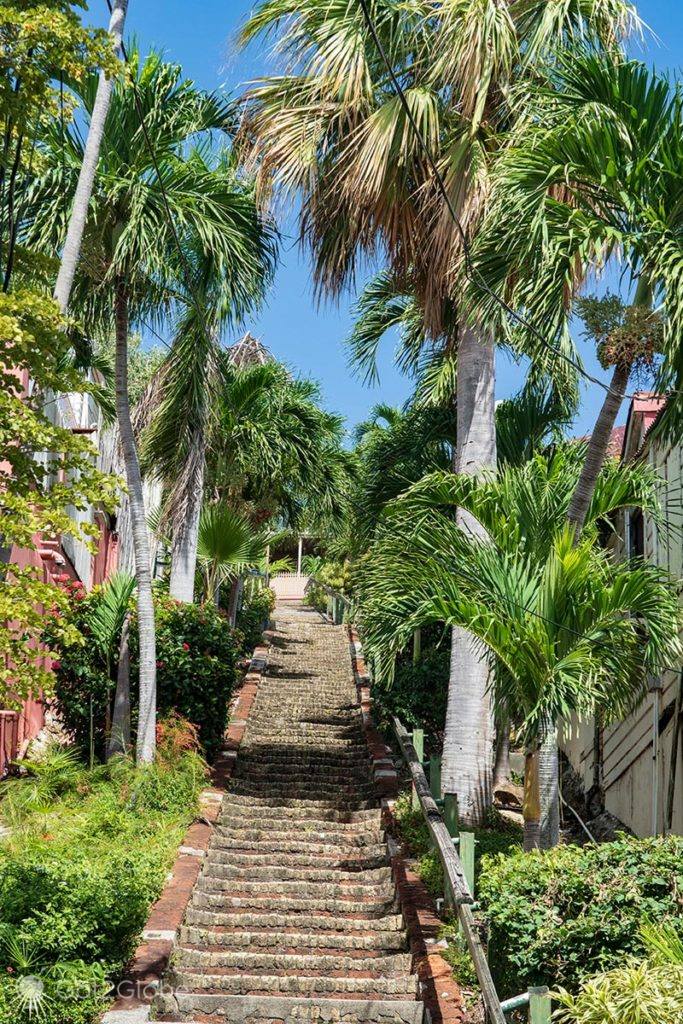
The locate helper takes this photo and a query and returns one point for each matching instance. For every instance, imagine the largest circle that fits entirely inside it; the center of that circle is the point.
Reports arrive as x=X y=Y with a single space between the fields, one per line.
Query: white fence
x=289 y=586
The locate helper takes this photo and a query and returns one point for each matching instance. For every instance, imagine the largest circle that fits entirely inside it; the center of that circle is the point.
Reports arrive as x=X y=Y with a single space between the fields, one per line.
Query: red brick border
x=440 y=992
x=152 y=956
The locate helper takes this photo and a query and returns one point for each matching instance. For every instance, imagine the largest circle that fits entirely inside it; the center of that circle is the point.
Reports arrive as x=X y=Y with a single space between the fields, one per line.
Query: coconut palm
x=229 y=283
x=565 y=629
x=593 y=176
x=127 y=263
x=332 y=131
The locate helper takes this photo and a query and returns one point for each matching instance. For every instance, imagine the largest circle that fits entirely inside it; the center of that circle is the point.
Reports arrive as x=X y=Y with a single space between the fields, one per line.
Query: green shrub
x=197 y=653
x=253 y=617
x=556 y=918
x=88 y=853
x=650 y=992
x=417 y=695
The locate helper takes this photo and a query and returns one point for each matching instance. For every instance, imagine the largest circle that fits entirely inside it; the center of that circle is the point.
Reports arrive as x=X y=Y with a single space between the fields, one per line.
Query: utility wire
x=471 y=272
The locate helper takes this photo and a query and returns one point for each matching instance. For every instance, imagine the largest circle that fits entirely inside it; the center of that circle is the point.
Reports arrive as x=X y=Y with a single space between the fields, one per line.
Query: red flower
x=79 y=595
x=160 y=664
x=186 y=647
x=56 y=665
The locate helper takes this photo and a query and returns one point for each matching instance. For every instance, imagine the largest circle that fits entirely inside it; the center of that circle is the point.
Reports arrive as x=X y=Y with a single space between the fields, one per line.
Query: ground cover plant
x=87 y=853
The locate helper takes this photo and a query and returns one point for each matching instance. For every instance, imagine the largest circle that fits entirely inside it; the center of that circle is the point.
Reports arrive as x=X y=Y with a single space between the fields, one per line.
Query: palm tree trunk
x=549 y=785
x=468 y=748
x=119 y=741
x=86 y=178
x=234 y=602
x=146 y=737
x=597 y=448
x=531 y=808
x=501 y=768
x=184 y=549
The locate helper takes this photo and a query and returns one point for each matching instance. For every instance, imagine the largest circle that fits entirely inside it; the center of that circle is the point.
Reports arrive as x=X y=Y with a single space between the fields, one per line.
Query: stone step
x=190 y=1008
x=296 y=853
x=279 y=805
x=293 y=757
x=286 y=868
x=313 y=961
x=292 y=939
x=311 y=788
x=277 y=919
x=220 y=903
x=302 y=833
x=294 y=817
x=241 y=983
x=222 y=878
x=289 y=771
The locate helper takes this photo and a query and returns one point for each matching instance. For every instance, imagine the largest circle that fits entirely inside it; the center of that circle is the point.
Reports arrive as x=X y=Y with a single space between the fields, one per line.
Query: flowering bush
x=254 y=615
x=197 y=653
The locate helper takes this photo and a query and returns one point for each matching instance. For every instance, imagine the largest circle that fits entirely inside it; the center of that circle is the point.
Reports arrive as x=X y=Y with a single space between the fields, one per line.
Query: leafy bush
x=253 y=617
x=418 y=693
x=197 y=653
x=558 y=917
x=330 y=574
x=88 y=854
x=650 y=992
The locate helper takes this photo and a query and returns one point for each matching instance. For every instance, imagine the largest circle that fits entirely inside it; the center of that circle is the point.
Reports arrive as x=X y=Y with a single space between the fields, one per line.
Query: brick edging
x=440 y=993
x=151 y=959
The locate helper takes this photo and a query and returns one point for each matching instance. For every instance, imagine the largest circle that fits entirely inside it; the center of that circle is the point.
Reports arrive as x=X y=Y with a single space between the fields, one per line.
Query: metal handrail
x=454 y=875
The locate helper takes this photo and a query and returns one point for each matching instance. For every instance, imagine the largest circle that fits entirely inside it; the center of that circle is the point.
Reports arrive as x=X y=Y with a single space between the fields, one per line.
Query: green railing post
x=466 y=852
x=540 y=1008
x=419 y=744
x=435 y=776
x=450 y=813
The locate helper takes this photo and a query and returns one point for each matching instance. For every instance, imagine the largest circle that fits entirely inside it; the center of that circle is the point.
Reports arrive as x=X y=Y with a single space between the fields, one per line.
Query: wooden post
x=417 y=645
x=450 y=813
x=466 y=852
x=540 y=1008
x=419 y=744
x=435 y=776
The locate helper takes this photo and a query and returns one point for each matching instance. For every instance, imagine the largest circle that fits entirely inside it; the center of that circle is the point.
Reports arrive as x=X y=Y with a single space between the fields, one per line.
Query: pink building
x=53 y=557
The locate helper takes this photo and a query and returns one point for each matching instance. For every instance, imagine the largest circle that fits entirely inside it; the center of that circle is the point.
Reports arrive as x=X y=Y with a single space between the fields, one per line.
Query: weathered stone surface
x=294 y=916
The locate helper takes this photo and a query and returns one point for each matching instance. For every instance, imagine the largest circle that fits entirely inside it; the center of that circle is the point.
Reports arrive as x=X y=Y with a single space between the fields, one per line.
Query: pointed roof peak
x=249 y=351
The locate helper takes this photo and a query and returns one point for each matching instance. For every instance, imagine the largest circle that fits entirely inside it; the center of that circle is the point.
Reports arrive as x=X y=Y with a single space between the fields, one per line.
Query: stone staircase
x=294 y=916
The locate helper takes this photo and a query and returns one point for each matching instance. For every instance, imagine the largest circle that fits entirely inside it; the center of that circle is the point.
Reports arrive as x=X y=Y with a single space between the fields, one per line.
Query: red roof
x=616 y=442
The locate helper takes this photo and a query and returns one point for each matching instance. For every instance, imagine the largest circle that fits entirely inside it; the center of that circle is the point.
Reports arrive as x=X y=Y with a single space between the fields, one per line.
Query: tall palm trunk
x=184 y=548
x=119 y=740
x=541 y=808
x=468 y=748
x=597 y=447
x=501 y=767
x=86 y=179
x=146 y=737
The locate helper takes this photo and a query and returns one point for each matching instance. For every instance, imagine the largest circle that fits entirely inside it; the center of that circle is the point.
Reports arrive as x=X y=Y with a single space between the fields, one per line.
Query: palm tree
x=276 y=449
x=332 y=131
x=227 y=545
x=593 y=175
x=91 y=154
x=229 y=283
x=565 y=629
x=148 y=195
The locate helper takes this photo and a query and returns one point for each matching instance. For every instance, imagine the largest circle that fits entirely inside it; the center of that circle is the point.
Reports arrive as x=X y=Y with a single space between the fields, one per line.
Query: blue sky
x=200 y=36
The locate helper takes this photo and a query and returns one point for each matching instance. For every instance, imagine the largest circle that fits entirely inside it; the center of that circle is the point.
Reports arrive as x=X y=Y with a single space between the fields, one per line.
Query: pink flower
x=160 y=664
x=79 y=595
x=186 y=647
x=56 y=665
